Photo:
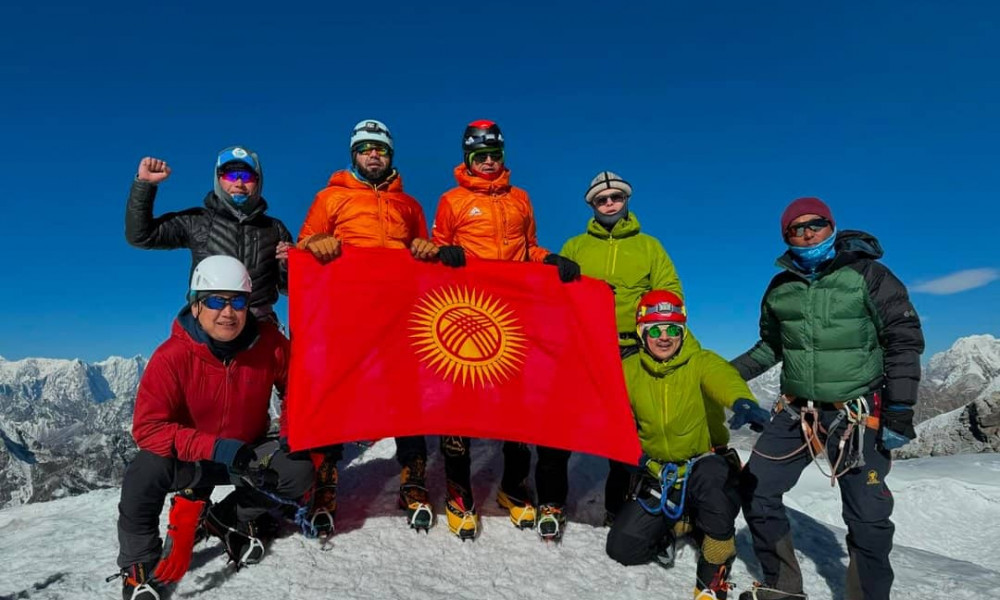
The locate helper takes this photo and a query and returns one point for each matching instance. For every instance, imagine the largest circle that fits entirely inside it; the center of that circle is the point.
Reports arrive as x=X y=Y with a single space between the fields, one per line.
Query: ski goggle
x=481 y=156
x=799 y=229
x=671 y=330
x=366 y=147
x=220 y=302
x=613 y=198
x=234 y=175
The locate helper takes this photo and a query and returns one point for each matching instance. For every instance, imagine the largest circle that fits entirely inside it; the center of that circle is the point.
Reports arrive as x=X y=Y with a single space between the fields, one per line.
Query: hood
x=688 y=349
x=253 y=162
x=859 y=243
x=500 y=185
x=850 y=245
x=347 y=179
x=626 y=226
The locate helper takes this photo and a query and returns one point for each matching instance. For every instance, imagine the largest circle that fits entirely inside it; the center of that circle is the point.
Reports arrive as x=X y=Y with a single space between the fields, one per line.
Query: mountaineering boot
x=413 y=496
x=787 y=585
x=761 y=591
x=666 y=551
x=138 y=582
x=713 y=580
x=551 y=522
x=518 y=503
x=463 y=520
x=240 y=540
x=323 y=507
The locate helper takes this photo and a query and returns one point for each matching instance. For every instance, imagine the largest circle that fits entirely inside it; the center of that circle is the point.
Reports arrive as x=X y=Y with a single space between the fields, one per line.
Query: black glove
x=261 y=478
x=452 y=256
x=897 y=426
x=236 y=455
x=568 y=269
x=900 y=420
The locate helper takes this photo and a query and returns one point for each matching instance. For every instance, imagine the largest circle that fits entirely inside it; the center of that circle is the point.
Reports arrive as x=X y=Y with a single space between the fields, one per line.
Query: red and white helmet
x=660 y=306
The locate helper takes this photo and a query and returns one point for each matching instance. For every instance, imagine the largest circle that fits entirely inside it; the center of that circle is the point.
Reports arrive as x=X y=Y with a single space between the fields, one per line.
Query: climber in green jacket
x=670 y=384
x=614 y=250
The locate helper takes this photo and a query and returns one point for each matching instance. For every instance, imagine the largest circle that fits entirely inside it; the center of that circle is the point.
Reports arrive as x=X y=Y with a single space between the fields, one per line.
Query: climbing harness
x=857 y=413
x=672 y=475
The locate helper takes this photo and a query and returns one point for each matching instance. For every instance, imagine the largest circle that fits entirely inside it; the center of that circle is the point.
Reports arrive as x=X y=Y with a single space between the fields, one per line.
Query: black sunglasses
x=481 y=156
x=815 y=226
x=616 y=197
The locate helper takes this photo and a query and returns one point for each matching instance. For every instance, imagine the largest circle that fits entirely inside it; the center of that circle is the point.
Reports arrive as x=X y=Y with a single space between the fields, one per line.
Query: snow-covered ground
x=947 y=530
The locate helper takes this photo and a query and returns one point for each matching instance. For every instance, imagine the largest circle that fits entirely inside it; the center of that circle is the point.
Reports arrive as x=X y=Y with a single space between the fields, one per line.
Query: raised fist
x=153 y=170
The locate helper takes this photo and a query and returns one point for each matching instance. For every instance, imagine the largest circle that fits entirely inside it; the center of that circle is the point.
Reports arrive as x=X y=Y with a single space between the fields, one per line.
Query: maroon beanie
x=805 y=206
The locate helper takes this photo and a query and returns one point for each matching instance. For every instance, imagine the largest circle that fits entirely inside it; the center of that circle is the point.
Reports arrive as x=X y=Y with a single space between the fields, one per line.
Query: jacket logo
x=873 y=477
x=475 y=212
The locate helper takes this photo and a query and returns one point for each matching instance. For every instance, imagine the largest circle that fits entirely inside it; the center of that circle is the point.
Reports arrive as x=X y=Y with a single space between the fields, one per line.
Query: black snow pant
x=711 y=504
x=619 y=483
x=410 y=448
x=150 y=477
x=616 y=487
x=867 y=506
x=407 y=449
x=516 y=464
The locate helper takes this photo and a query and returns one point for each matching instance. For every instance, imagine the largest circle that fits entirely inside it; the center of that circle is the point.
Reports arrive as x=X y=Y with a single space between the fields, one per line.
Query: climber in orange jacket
x=365 y=206
x=491 y=219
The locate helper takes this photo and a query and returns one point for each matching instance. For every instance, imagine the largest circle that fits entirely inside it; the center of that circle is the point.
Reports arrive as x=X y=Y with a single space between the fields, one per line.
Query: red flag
x=384 y=345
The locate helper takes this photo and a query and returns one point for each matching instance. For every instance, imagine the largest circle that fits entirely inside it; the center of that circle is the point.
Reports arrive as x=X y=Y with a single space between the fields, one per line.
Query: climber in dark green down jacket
x=850 y=342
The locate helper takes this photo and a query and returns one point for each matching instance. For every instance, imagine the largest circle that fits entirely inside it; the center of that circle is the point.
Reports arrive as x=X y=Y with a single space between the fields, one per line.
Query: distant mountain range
x=65 y=424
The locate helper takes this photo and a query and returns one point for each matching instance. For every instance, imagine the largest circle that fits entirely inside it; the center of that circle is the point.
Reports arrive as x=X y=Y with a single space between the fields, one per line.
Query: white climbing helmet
x=219 y=274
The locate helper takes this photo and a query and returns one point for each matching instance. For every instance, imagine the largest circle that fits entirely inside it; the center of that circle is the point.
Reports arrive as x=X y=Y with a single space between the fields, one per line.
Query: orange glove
x=323 y=246
x=423 y=249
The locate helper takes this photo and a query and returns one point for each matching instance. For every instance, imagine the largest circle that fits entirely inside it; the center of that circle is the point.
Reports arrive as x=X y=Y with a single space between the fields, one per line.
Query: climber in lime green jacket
x=671 y=385
x=614 y=250
x=633 y=263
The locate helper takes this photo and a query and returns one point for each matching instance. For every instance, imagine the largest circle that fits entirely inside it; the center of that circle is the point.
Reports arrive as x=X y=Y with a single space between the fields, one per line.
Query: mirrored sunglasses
x=366 y=147
x=658 y=330
x=220 y=302
x=234 y=175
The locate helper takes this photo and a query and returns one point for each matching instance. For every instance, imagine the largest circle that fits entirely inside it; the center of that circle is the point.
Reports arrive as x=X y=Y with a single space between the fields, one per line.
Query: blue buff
x=810 y=257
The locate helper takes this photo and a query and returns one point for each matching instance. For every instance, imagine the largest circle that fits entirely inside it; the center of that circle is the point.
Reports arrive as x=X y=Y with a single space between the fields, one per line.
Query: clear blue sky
x=719 y=113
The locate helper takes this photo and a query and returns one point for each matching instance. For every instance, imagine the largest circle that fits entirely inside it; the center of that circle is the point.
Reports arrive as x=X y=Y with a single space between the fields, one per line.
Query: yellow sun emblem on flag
x=467 y=336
